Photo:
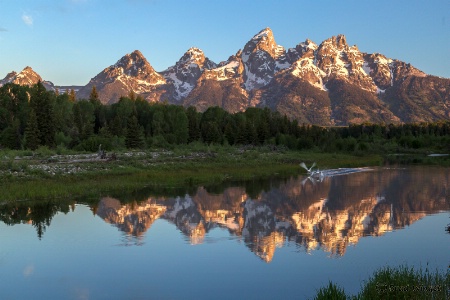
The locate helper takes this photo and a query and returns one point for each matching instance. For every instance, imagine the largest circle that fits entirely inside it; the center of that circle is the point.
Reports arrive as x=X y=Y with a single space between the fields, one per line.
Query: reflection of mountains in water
x=329 y=215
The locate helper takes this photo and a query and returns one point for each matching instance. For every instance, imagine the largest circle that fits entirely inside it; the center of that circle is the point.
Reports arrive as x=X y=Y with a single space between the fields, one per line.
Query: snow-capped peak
x=184 y=74
x=193 y=54
x=26 y=77
x=265 y=33
x=309 y=45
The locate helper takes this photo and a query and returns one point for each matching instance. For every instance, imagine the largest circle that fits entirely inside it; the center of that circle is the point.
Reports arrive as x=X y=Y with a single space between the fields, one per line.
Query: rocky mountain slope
x=26 y=77
x=331 y=83
x=131 y=73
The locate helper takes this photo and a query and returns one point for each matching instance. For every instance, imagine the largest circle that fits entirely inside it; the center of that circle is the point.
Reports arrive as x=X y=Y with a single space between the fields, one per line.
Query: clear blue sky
x=71 y=41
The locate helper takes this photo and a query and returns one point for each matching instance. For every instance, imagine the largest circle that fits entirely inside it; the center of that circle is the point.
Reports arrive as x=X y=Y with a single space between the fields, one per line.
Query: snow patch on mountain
x=366 y=68
x=224 y=72
x=304 y=68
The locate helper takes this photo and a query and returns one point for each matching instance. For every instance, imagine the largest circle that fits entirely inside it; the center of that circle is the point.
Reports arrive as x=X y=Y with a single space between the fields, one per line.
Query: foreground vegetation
x=395 y=283
x=44 y=173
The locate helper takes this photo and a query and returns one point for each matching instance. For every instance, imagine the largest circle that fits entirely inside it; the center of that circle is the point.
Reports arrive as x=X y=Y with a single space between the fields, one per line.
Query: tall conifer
x=32 y=132
x=72 y=96
x=41 y=103
x=133 y=138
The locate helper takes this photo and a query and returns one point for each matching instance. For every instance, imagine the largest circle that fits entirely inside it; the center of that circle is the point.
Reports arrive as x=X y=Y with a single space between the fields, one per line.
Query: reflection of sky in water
x=82 y=257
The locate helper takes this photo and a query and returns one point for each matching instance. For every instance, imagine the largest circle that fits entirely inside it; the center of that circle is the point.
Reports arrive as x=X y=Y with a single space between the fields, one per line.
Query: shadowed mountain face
x=328 y=215
x=331 y=83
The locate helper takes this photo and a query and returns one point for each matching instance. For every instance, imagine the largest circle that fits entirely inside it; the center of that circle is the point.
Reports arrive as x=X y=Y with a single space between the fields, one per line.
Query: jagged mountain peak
x=339 y=42
x=194 y=53
x=133 y=63
x=132 y=72
x=196 y=56
x=9 y=77
x=27 y=69
x=29 y=72
x=262 y=58
x=308 y=45
x=184 y=74
x=263 y=34
x=26 y=77
x=264 y=41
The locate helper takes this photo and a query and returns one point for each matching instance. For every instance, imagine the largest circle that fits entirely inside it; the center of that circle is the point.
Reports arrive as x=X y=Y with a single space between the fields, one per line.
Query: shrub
x=62 y=139
x=396 y=283
x=332 y=291
x=44 y=151
x=406 y=283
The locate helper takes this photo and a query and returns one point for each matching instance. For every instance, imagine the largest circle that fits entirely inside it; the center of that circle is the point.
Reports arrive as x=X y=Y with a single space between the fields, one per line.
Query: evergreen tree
x=158 y=123
x=41 y=103
x=230 y=133
x=134 y=138
x=193 y=124
x=72 y=96
x=32 y=132
x=181 y=127
x=84 y=118
x=99 y=112
x=132 y=95
x=93 y=96
x=115 y=126
x=63 y=114
x=210 y=132
x=10 y=137
x=252 y=134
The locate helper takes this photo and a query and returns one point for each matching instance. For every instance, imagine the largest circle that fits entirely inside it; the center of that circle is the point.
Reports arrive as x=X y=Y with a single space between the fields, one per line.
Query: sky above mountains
x=70 y=41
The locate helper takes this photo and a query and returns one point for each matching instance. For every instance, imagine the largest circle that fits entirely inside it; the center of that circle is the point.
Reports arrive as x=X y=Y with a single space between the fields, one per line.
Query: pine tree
x=10 y=137
x=32 y=132
x=134 y=138
x=132 y=95
x=84 y=118
x=41 y=103
x=115 y=126
x=99 y=119
x=193 y=124
x=72 y=96
x=93 y=96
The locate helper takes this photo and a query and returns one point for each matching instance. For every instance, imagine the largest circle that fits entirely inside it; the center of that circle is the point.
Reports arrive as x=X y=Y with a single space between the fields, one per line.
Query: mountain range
x=327 y=84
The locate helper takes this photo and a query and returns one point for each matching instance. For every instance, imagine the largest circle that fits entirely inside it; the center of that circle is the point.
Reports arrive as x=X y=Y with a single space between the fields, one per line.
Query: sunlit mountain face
x=327 y=215
x=328 y=83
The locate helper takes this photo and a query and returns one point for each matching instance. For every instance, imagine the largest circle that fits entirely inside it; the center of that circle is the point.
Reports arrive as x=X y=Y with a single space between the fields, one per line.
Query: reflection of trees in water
x=39 y=214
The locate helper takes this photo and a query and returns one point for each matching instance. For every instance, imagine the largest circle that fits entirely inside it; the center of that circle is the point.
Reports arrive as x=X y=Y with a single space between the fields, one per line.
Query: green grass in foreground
x=396 y=283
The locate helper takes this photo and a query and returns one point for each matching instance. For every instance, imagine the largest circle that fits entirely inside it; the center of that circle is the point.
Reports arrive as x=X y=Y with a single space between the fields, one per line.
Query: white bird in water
x=310 y=170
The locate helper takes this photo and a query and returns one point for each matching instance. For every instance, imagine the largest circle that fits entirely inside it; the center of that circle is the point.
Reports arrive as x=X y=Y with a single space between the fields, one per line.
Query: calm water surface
x=278 y=239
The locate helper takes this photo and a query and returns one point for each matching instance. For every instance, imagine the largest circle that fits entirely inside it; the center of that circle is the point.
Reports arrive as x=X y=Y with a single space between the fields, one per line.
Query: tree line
x=31 y=117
